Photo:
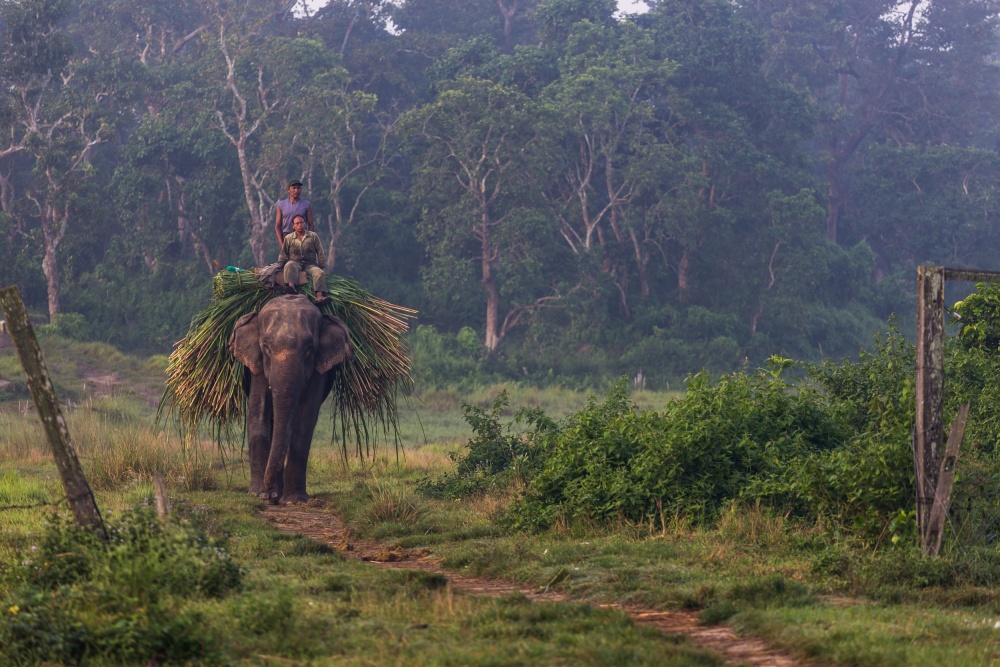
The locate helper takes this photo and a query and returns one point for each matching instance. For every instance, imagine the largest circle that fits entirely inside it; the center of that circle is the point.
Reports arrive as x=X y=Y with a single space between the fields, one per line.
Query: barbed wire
x=4 y=508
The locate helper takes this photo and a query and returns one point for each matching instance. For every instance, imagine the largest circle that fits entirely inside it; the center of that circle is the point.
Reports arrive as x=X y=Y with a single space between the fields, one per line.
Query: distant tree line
x=701 y=185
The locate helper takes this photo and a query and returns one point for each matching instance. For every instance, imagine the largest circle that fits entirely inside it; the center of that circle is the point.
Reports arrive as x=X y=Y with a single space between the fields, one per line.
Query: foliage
x=979 y=326
x=498 y=454
x=612 y=461
x=441 y=360
x=835 y=447
x=68 y=325
x=73 y=596
x=695 y=187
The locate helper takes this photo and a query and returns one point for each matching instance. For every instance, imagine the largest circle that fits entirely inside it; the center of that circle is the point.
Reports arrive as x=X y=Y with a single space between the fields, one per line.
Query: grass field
x=801 y=587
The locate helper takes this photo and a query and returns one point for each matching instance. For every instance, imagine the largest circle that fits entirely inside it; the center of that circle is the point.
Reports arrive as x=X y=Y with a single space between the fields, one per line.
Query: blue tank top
x=289 y=211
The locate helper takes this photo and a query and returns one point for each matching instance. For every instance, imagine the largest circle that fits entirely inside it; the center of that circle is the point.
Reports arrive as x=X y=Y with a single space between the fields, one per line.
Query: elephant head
x=289 y=348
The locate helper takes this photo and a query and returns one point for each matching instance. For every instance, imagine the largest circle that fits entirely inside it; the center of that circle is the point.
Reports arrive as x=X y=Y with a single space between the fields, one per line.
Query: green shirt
x=307 y=250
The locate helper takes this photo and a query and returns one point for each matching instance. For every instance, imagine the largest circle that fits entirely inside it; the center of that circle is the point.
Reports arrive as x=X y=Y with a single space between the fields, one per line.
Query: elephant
x=290 y=350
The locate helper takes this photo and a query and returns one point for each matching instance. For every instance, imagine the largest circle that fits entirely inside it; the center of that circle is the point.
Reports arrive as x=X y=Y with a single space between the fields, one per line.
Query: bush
x=497 y=453
x=72 y=326
x=73 y=596
x=441 y=359
x=836 y=446
x=700 y=453
x=833 y=445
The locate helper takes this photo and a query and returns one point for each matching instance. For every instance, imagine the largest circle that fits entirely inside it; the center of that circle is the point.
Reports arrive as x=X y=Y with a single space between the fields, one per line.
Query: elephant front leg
x=305 y=425
x=259 y=425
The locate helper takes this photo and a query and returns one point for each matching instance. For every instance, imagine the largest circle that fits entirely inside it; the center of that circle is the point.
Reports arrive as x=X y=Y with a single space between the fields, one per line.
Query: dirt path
x=323 y=525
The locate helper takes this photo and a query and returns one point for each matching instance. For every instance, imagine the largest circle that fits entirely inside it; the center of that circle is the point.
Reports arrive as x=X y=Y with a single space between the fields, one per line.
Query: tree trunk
x=835 y=199
x=682 y=276
x=258 y=235
x=489 y=255
x=335 y=223
x=53 y=228
x=642 y=264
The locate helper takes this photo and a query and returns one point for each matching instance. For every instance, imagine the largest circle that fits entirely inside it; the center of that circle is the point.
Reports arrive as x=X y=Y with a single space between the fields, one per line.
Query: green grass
x=801 y=587
x=304 y=602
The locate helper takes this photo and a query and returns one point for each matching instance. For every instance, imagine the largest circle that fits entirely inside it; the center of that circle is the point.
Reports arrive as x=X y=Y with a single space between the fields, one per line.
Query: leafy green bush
x=836 y=445
x=441 y=359
x=497 y=453
x=977 y=315
x=73 y=596
x=72 y=326
x=868 y=477
x=612 y=460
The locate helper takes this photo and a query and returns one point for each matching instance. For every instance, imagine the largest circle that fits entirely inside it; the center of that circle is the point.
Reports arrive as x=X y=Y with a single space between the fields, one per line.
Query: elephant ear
x=334 y=344
x=244 y=342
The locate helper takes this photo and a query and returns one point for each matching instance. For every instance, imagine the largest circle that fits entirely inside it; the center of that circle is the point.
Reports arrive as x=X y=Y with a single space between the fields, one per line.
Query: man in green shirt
x=303 y=251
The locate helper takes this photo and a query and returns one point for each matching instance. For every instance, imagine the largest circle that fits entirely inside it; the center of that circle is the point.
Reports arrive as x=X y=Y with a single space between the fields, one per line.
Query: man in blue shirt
x=289 y=208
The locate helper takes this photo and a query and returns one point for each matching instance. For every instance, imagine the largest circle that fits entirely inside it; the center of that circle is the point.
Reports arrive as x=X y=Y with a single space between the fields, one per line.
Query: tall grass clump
x=70 y=597
x=205 y=383
x=391 y=504
x=22 y=438
x=128 y=455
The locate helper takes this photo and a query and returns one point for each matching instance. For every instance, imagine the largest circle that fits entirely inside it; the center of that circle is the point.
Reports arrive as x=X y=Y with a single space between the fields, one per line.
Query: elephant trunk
x=286 y=386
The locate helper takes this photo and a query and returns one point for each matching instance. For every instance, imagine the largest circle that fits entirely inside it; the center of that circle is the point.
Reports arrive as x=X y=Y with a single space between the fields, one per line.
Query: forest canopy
x=560 y=190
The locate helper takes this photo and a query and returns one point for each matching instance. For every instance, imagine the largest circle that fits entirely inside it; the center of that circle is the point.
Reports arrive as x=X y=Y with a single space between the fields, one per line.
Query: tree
x=60 y=111
x=731 y=136
x=881 y=69
x=602 y=120
x=478 y=159
x=259 y=75
x=338 y=145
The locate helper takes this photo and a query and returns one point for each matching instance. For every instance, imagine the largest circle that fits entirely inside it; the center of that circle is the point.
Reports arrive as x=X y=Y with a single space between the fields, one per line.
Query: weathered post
x=160 y=492
x=946 y=479
x=929 y=428
x=81 y=498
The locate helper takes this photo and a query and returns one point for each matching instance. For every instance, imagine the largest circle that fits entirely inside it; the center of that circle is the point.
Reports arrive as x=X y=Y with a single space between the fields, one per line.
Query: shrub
x=73 y=596
x=68 y=325
x=443 y=359
x=836 y=446
x=612 y=460
x=497 y=453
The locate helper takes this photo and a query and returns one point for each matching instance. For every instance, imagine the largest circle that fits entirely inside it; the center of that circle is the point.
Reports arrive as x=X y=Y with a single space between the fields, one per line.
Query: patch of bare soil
x=100 y=384
x=103 y=384
x=319 y=523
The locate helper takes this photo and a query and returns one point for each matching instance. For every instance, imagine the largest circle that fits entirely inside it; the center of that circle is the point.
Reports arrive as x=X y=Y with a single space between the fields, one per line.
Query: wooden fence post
x=81 y=498
x=160 y=492
x=929 y=428
x=946 y=478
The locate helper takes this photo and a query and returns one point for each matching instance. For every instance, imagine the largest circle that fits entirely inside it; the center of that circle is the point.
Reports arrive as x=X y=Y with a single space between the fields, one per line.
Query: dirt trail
x=323 y=525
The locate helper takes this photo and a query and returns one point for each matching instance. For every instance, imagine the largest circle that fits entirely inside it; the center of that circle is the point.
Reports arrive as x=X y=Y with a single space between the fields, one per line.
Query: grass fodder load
x=205 y=382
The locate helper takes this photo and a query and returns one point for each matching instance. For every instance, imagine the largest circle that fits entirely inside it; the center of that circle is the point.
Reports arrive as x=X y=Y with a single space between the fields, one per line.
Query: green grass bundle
x=205 y=382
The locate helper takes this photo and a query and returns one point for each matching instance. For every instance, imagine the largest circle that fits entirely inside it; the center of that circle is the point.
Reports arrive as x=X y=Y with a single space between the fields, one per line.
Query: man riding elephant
x=288 y=208
x=303 y=251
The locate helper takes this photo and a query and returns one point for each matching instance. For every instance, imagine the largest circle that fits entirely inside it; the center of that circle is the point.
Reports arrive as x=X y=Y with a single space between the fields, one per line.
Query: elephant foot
x=256 y=488
x=294 y=498
x=270 y=496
